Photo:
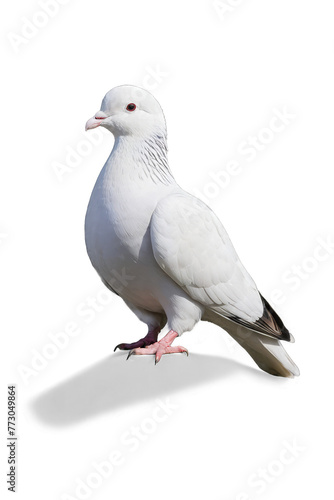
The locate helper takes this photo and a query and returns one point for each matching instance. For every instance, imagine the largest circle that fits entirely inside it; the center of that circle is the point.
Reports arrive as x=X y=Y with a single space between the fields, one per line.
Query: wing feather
x=191 y=245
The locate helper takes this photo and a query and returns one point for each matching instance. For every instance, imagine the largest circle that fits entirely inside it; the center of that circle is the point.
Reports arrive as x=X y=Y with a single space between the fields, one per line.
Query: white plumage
x=163 y=250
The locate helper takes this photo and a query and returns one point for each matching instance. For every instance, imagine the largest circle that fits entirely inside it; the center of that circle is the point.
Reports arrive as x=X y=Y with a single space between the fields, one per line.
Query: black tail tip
x=271 y=317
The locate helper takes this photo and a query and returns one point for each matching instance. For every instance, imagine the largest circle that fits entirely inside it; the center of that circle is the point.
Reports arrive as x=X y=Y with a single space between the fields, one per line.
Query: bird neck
x=141 y=158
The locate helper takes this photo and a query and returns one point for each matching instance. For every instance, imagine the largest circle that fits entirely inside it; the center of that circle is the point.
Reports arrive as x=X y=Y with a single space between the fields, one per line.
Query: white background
x=218 y=79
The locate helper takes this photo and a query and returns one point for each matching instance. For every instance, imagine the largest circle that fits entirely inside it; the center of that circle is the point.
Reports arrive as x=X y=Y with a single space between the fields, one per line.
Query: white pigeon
x=162 y=250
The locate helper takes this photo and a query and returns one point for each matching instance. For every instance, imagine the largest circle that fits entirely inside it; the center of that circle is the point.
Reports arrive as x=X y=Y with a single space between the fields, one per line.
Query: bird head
x=129 y=110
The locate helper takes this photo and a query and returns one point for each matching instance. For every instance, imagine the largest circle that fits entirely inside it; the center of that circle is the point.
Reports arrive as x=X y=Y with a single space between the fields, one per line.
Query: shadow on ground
x=114 y=383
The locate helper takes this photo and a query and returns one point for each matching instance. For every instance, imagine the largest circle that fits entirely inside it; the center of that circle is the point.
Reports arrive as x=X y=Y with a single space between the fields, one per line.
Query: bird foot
x=149 y=339
x=159 y=348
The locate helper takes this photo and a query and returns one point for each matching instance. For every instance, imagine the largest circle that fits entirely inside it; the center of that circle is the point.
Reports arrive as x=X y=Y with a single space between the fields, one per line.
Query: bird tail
x=267 y=352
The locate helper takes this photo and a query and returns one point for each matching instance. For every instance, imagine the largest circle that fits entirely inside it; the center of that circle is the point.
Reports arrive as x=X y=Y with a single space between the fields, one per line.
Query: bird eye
x=131 y=106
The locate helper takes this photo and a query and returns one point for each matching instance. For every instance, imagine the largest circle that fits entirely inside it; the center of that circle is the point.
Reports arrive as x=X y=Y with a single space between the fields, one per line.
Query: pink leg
x=159 y=348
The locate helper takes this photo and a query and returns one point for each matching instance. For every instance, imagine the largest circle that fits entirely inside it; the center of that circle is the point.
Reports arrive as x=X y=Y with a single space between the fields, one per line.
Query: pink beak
x=96 y=120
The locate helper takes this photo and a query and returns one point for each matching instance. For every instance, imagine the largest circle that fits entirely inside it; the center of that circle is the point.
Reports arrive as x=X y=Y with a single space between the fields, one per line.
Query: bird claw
x=170 y=350
x=130 y=354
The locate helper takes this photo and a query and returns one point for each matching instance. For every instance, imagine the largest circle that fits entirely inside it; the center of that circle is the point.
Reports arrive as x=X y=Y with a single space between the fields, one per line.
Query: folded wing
x=192 y=247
